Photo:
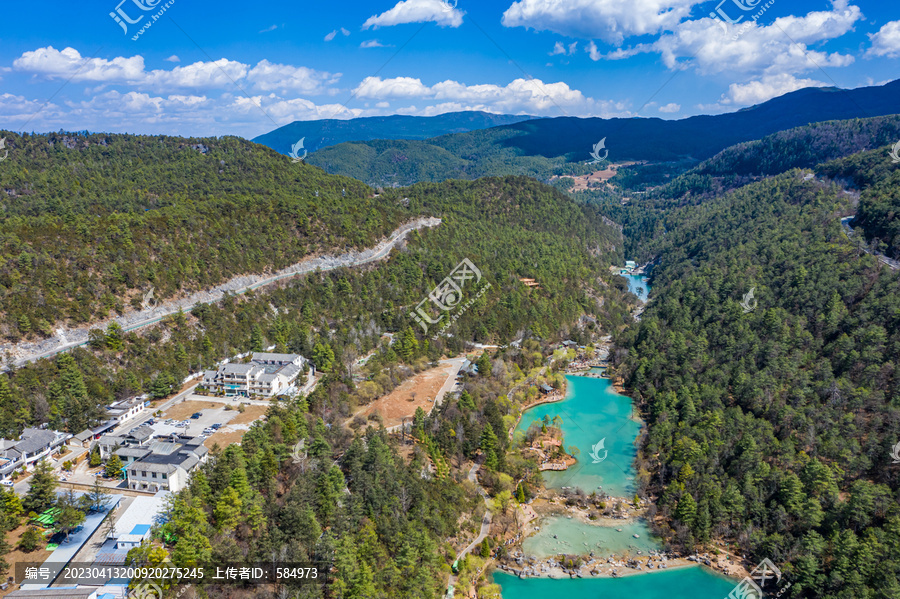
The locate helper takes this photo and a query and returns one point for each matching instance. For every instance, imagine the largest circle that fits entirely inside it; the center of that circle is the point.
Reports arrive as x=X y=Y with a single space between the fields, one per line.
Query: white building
x=266 y=375
x=33 y=445
x=166 y=466
x=126 y=409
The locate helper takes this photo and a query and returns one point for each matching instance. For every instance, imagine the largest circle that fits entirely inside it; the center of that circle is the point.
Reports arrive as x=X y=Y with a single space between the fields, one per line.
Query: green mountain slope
x=92 y=221
x=543 y=147
x=772 y=417
x=323 y=133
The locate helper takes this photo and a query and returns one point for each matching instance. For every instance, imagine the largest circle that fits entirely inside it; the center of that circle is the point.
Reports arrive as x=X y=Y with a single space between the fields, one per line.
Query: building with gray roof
x=266 y=375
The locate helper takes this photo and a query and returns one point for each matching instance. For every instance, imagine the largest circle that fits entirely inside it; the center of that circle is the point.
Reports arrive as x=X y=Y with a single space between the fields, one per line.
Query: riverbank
x=553 y=397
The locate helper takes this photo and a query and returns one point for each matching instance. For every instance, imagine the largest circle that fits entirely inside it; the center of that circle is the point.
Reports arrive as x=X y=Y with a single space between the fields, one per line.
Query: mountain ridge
x=561 y=145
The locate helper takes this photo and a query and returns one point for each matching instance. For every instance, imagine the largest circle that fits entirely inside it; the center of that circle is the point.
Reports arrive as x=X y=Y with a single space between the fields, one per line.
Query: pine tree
x=113 y=467
x=686 y=510
x=42 y=493
x=489 y=446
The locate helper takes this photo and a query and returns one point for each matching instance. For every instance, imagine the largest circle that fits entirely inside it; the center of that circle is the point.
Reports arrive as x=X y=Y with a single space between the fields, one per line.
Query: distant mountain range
x=323 y=133
x=543 y=147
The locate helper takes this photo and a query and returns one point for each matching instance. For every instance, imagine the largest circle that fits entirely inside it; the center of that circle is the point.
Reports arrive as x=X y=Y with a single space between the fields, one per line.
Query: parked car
x=7 y=483
x=196 y=415
x=215 y=426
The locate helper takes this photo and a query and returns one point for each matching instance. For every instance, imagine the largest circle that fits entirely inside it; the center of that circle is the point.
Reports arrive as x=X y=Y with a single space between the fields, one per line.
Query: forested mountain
x=543 y=147
x=328 y=132
x=509 y=228
x=650 y=197
x=878 y=213
x=351 y=502
x=92 y=221
x=772 y=416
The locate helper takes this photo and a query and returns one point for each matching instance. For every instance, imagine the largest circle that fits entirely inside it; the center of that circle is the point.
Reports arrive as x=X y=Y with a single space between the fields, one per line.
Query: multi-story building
x=126 y=409
x=33 y=445
x=166 y=465
x=266 y=375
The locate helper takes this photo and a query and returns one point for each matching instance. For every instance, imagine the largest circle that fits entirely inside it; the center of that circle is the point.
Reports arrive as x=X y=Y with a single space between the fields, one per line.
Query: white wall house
x=32 y=446
x=266 y=375
x=126 y=409
x=166 y=467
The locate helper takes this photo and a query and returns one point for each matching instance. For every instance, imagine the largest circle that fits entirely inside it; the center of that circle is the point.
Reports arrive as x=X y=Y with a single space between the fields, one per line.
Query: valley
x=427 y=299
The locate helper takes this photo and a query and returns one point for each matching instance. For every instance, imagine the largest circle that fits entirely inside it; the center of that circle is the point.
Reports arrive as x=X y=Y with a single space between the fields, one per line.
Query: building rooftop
x=35 y=440
x=132 y=452
x=267 y=357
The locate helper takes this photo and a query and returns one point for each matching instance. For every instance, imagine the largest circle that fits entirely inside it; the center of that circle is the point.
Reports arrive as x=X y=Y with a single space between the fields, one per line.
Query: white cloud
x=218 y=73
x=756 y=92
x=372 y=44
x=520 y=96
x=267 y=76
x=269 y=28
x=608 y=20
x=560 y=48
x=886 y=42
x=670 y=108
x=223 y=73
x=781 y=47
x=173 y=58
x=334 y=33
x=417 y=11
x=69 y=63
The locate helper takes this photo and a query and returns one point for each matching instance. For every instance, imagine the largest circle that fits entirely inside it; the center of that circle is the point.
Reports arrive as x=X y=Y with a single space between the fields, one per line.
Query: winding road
x=485 y=523
x=76 y=337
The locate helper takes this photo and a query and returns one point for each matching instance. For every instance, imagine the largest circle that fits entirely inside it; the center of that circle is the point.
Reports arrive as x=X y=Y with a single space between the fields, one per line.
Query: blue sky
x=244 y=68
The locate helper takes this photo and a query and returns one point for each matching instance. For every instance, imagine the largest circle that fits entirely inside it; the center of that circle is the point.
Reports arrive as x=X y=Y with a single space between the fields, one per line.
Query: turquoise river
x=592 y=412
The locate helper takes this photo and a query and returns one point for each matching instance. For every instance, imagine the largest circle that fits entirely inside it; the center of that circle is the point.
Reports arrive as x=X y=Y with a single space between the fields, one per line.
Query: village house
x=32 y=446
x=126 y=409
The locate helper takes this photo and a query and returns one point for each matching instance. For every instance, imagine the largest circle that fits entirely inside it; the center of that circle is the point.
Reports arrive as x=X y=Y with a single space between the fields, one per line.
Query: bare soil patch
x=420 y=391
x=224 y=439
x=183 y=410
x=251 y=413
x=17 y=556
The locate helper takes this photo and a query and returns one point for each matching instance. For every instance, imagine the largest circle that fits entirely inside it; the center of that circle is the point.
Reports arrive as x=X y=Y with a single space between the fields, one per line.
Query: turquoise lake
x=637 y=284
x=592 y=411
x=562 y=535
x=684 y=583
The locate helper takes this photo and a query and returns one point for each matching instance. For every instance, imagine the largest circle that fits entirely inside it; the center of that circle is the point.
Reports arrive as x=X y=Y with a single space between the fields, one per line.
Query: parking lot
x=179 y=417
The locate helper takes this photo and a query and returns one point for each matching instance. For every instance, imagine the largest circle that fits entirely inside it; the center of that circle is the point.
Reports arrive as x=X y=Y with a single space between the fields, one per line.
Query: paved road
x=485 y=523
x=343 y=261
x=881 y=257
